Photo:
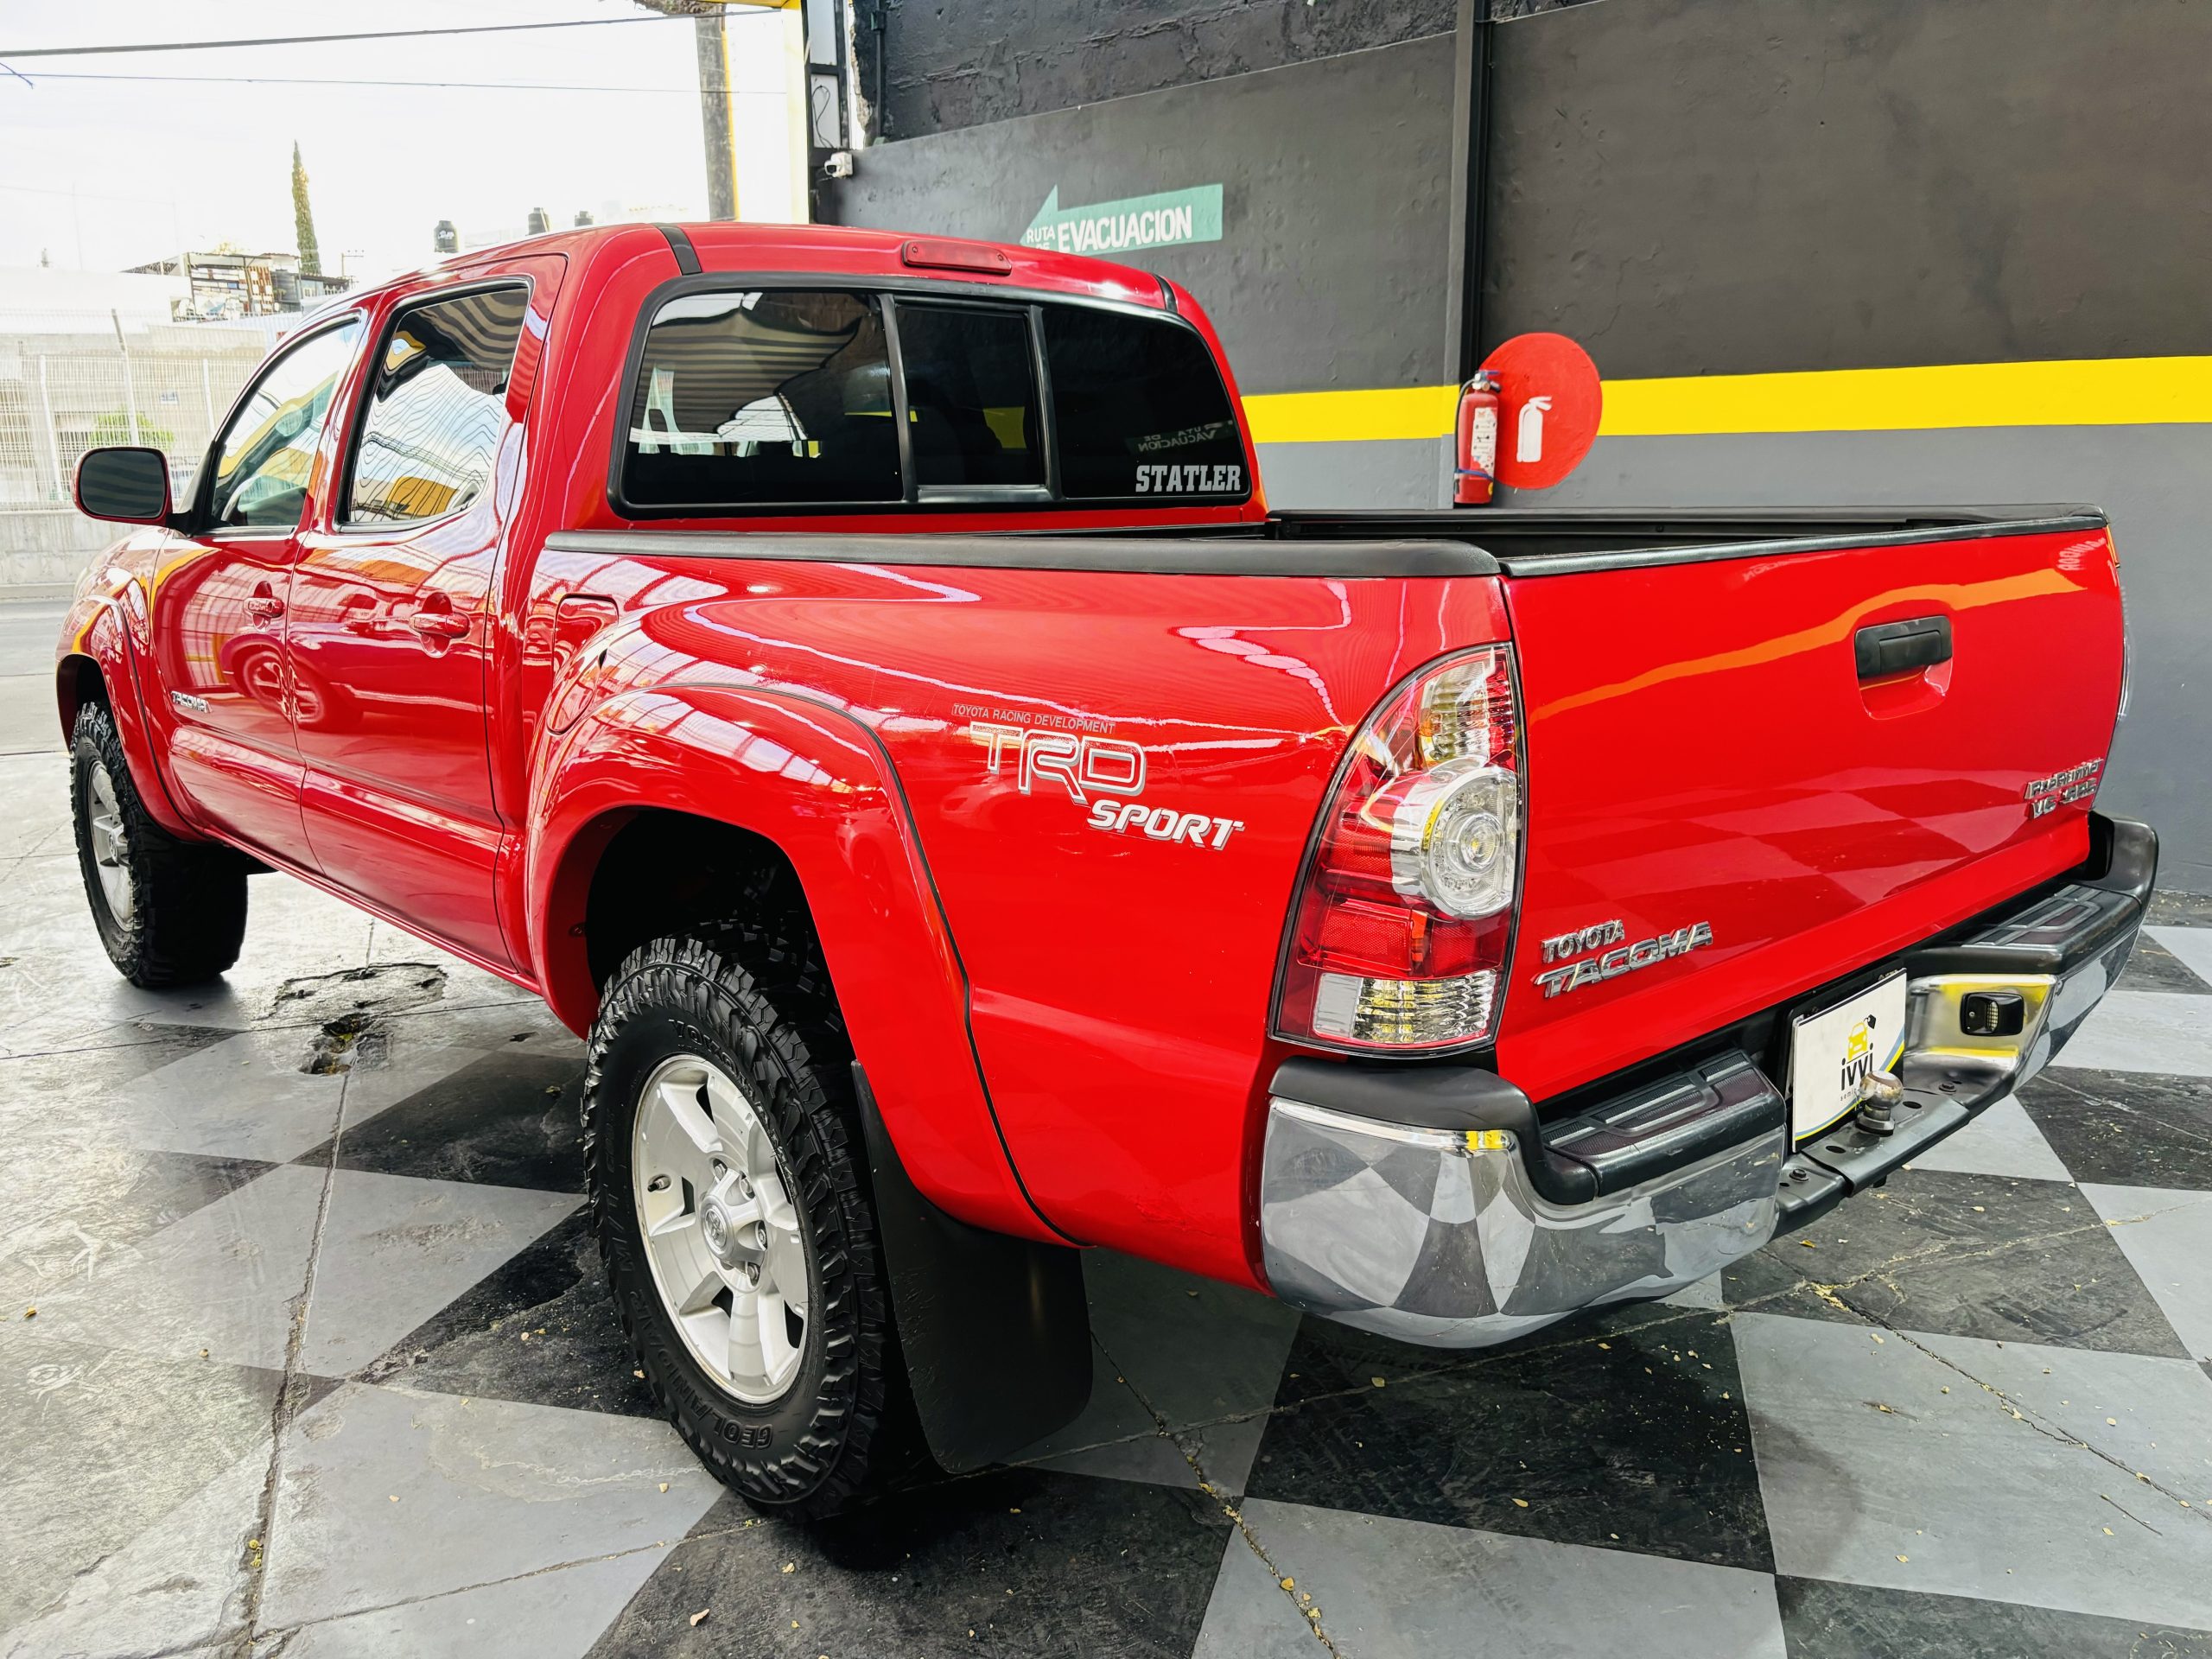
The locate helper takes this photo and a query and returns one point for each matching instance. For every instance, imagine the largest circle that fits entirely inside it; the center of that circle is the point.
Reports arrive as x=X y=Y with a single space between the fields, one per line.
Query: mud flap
x=994 y=1329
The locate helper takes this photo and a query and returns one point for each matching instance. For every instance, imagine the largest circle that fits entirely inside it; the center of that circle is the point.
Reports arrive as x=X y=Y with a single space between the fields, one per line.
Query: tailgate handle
x=1889 y=648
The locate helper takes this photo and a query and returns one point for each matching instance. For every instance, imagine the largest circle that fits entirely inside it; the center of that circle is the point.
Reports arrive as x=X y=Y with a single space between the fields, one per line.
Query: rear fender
x=807 y=777
x=98 y=635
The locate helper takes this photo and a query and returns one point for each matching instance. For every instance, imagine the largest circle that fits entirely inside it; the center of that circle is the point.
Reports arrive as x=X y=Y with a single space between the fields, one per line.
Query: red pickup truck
x=857 y=680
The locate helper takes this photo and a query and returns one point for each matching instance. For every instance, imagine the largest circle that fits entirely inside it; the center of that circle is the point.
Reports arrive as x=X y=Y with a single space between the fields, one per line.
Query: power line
x=44 y=75
x=316 y=40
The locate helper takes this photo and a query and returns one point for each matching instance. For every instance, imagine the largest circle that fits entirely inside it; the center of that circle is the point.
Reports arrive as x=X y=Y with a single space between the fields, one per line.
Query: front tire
x=169 y=912
x=725 y=1177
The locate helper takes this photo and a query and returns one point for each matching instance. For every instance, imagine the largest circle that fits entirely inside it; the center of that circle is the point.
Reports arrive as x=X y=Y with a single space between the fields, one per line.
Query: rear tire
x=169 y=911
x=726 y=1181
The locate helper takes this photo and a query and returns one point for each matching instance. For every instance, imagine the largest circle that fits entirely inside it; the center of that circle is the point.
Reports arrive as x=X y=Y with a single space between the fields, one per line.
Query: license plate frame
x=1835 y=1044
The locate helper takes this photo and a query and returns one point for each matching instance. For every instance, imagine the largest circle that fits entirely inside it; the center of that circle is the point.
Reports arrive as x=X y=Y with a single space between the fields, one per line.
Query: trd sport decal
x=1088 y=766
x=1190 y=480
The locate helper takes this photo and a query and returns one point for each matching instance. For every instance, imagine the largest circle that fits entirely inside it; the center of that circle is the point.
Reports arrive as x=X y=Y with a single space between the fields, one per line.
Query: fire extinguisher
x=1475 y=472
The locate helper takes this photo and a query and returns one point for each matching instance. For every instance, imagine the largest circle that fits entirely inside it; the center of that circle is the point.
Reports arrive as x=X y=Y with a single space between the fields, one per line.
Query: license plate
x=1831 y=1051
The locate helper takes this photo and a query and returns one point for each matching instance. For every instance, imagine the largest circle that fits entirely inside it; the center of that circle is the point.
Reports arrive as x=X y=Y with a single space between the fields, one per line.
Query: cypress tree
x=303 y=218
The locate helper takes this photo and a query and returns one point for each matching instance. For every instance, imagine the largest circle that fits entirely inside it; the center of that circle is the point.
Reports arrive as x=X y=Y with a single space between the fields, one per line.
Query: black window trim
x=939 y=498
x=203 y=487
x=357 y=420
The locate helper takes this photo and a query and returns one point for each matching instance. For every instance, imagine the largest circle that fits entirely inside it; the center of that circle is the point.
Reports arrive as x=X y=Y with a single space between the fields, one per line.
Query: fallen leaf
x=2107 y=1532
x=1290 y=1584
x=1377 y=1380
x=790 y=1567
x=1520 y=1503
x=1902 y=1558
x=30 y=1313
x=1807 y=1243
x=697 y=1618
x=395 y=1498
x=2112 y=1422
x=664 y=1485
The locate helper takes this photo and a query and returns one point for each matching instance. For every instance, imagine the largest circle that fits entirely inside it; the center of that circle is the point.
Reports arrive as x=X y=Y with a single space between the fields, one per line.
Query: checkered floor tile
x=323 y=1362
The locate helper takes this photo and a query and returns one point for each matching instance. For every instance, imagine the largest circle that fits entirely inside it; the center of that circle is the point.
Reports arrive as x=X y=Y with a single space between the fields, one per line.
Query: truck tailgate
x=1705 y=755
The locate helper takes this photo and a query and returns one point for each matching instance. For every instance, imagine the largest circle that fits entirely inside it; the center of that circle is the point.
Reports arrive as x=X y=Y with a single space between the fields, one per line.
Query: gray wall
x=1694 y=187
x=1713 y=186
x=948 y=64
x=1331 y=271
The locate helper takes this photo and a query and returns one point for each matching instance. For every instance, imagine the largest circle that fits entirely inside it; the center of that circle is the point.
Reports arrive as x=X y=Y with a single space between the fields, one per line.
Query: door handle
x=438 y=625
x=263 y=605
x=1889 y=648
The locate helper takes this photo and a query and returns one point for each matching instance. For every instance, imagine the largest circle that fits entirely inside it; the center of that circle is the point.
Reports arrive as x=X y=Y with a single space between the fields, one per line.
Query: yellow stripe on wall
x=1333 y=417
x=2096 y=392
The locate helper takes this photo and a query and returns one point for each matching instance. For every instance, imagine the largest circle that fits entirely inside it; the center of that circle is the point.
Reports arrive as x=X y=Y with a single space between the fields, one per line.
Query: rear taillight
x=1398 y=940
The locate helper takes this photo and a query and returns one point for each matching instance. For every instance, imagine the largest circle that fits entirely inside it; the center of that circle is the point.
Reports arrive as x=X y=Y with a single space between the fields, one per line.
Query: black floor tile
x=1016 y=1562
x=1633 y=1439
x=510 y=1119
x=541 y=1329
x=2154 y=968
x=1964 y=1256
x=1821 y=1620
x=2126 y=1128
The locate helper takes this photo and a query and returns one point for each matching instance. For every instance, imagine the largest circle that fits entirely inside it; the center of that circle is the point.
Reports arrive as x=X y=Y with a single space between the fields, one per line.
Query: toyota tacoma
x=857 y=681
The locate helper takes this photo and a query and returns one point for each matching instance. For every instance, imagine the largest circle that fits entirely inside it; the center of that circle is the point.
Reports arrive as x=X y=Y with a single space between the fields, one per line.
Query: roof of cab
x=841 y=250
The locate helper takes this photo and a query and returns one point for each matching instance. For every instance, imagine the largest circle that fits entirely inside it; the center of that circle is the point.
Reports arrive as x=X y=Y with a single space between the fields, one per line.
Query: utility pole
x=717 y=108
x=812 y=46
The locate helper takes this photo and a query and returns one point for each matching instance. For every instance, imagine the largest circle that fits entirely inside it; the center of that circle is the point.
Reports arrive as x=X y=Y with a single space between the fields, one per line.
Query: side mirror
x=124 y=484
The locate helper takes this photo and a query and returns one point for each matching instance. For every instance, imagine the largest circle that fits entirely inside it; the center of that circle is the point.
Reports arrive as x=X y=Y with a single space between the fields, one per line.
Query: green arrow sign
x=1110 y=228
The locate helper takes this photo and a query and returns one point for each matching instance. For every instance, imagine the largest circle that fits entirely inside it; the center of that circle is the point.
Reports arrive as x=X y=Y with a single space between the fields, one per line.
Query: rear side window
x=1138 y=409
x=971 y=389
x=760 y=397
x=438 y=408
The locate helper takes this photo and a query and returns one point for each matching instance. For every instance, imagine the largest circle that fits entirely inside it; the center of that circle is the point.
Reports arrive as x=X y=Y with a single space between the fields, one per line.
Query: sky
x=196 y=147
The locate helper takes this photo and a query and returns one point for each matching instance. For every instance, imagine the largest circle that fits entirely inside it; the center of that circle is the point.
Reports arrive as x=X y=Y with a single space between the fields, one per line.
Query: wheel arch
x=94 y=664
x=746 y=779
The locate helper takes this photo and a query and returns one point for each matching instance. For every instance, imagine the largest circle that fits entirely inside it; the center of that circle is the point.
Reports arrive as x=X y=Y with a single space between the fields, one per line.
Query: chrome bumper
x=1429 y=1204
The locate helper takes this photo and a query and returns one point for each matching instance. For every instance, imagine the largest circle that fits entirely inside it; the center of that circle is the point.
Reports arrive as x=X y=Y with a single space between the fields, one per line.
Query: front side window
x=265 y=458
x=971 y=394
x=1138 y=409
x=437 y=409
x=762 y=398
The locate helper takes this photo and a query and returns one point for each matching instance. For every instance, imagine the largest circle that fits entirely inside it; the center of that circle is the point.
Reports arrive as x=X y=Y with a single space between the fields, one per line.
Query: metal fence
x=70 y=382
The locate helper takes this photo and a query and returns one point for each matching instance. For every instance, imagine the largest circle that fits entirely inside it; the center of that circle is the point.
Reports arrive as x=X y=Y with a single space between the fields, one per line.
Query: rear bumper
x=1429 y=1203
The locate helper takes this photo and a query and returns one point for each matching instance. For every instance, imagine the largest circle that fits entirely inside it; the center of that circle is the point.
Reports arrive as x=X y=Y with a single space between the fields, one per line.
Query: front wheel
x=169 y=911
x=727 y=1188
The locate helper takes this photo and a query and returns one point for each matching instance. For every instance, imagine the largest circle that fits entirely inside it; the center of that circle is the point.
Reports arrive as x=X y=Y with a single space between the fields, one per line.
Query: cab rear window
x=1138 y=409
x=760 y=399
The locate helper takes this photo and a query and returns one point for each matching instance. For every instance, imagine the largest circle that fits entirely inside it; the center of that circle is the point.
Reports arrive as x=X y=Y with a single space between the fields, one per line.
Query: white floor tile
x=389 y=1497
x=2166 y=1236
x=1872 y=1474
x=1389 y=1588
x=2167 y=1031
x=2002 y=1141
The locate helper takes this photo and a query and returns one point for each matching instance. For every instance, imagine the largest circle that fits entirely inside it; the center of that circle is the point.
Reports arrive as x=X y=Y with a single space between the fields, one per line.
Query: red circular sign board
x=1548 y=402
